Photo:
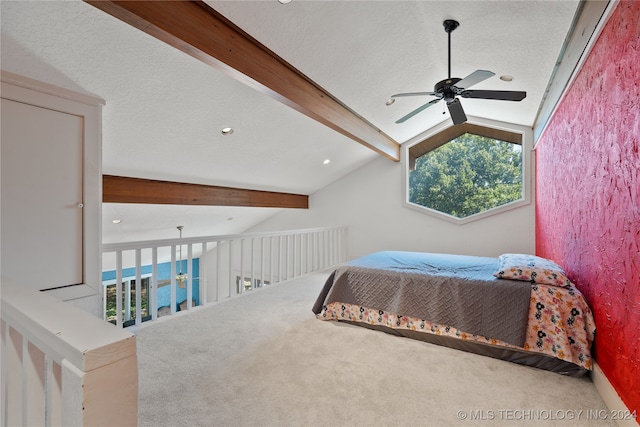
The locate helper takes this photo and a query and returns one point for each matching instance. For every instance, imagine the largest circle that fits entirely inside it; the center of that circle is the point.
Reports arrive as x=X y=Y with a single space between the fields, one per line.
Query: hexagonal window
x=466 y=170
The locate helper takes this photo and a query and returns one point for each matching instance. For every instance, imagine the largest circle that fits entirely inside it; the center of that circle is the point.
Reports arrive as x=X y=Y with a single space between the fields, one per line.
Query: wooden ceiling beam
x=200 y=31
x=120 y=189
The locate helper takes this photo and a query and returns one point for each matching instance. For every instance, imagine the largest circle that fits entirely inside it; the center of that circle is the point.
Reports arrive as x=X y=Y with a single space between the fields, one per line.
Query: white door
x=41 y=181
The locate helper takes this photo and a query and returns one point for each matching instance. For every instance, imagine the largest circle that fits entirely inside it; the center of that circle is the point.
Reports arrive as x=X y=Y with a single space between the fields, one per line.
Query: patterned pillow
x=531 y=268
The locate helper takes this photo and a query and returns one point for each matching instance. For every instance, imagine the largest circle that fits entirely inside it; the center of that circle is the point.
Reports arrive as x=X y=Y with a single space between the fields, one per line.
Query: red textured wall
x=588 y=194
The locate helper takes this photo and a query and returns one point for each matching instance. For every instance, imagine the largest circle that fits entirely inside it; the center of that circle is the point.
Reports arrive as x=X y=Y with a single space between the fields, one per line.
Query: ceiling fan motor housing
x=446 y=88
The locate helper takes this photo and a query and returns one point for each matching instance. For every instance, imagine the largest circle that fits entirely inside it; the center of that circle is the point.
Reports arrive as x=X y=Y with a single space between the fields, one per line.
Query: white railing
x=228 y=266
x=62 y=366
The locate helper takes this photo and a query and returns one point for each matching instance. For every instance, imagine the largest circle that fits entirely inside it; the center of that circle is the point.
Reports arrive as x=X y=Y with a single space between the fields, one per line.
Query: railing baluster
x=318 y=250
x=34 y=403
x=279 y=258
x=262 y=284
x=231 y=281
x=53 y=392
x=331 y=248
x=172 y=280
x=241 y=289
x=127 y=300
x=138 y=287
x=202 y=282
x=104 y=303
x=4 y=331
x=294 y=254
x=189 y=276
x=253 y=274
x=306 y=253
x=119 y=288
x=13 y=390
x=271 y=268
x=153 y=297
x=286 y=257
x=325 y=248
x=218 y=268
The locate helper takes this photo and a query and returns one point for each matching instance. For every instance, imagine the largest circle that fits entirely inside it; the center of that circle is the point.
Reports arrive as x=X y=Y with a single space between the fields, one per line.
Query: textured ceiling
x=364 y=51
x=164 y=110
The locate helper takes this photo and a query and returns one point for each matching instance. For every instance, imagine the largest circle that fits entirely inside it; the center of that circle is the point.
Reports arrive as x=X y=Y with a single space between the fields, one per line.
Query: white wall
x=370 y=202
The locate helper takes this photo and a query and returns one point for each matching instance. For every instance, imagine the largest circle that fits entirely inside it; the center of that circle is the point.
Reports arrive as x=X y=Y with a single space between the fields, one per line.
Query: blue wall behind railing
x=164 y=273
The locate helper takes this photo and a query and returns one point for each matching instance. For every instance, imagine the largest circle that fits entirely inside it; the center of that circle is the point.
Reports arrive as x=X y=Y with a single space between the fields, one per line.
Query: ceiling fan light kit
x=451 y=88
x=181 y=277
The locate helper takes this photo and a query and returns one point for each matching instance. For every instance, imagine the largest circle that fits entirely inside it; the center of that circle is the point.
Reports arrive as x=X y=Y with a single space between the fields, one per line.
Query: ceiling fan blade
x=474 y=78
x=167 y=282
x=398 y=95
x=457 y=113
x=417 y=110
x=502 y=95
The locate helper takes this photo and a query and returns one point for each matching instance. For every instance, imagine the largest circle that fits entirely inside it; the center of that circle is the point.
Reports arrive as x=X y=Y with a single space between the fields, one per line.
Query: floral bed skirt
x=560 y=324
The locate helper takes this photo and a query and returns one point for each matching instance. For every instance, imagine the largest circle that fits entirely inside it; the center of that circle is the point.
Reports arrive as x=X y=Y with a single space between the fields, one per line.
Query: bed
x=516 y=307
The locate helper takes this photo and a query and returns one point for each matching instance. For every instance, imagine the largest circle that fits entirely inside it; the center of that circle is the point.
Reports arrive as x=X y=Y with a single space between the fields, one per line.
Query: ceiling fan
x=449 y=89
x=181 y=278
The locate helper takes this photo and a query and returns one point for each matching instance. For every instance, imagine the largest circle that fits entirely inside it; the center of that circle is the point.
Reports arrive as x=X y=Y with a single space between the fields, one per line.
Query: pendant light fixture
x=181 y=278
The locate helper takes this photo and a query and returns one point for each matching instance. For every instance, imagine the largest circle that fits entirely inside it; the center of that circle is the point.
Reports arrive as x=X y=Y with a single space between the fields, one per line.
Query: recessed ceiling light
x=284 y=1
x=506 y=78
x=326 y=162
x=227 y=131
x=116 y=221
x=389 y=101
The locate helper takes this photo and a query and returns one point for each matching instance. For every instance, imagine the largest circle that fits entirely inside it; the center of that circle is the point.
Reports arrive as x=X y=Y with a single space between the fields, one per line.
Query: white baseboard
x=611 y=399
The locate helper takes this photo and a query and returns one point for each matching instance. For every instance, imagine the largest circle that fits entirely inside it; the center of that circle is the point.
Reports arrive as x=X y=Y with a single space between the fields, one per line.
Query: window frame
x=113 y=282
x=492 y=127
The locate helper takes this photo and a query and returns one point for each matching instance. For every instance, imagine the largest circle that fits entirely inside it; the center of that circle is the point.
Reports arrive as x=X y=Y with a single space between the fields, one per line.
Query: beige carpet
x=263 y=359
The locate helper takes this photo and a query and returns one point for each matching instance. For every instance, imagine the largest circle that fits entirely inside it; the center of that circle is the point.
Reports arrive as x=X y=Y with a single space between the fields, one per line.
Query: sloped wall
x=588 y=194
x=369 y=201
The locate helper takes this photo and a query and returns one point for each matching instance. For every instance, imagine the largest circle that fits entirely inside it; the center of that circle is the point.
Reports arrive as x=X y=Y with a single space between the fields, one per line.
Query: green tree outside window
x=468 y=175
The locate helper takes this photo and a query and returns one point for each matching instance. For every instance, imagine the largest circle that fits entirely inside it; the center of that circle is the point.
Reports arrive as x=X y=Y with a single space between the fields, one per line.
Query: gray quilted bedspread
x=453 y=290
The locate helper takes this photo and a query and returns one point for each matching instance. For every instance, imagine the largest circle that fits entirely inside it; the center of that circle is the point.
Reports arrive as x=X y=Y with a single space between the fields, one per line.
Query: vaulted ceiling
x=165 y=108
